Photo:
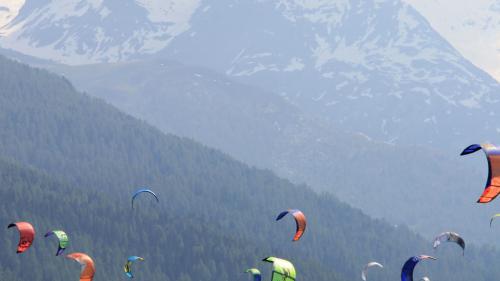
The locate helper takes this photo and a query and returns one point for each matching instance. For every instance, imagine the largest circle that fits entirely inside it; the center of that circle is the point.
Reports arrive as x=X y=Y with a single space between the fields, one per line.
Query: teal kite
x=128 y=266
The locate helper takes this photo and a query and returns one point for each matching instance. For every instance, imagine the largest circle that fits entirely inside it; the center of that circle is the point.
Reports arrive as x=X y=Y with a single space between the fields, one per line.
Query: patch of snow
x=323 y=52
x=104 y=12
x=333 y=102
x=341 y=85
x=295 y=64
x=470 y=103
x=320 y=97
x=167 y=19
x=9 y=9
x=349 y=54
x=161 y=11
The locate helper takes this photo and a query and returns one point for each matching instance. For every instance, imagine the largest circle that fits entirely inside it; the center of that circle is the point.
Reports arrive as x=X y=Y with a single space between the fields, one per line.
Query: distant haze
x=473 y=27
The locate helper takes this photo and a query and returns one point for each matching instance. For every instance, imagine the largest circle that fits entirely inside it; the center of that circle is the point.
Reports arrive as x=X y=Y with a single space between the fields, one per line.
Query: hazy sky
x=471 y=26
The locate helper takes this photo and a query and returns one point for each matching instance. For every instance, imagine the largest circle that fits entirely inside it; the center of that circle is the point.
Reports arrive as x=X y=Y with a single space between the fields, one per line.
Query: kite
x=128 y=265
x=409 y=266
x=492 y=153
x=88 y=268
x=283 y=270
x=493 y=218
x=63 y=240
x=300 y=220
x=368 y=265
x=449 y=237
x=255 y=273
x=140 y=191
x=26 y=235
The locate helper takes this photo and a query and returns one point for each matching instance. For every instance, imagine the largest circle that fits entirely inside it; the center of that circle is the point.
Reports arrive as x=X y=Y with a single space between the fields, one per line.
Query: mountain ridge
x=374 y=67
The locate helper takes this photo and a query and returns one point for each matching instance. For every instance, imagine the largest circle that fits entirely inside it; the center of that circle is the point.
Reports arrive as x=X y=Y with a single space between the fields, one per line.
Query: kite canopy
x=255 y=273
x=283 y=270
x=141 y=191
x=63 y=240
x=128 y=266
x=26 y=235
x=449 y=237
x=425 y=278
x=409 y=266
x=88 y=268
x=493 y=218
x=368 y=265
x=300 y=220
x=492 y=153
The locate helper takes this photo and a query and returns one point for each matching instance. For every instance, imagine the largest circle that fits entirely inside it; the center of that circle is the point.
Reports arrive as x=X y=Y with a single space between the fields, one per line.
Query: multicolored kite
x=88 y=268
x=140 y=191
x=409 y=266
x=128 y=265
x=283 y=270
x=368 y=265
x=62 y=238
x=300 y=220
x=26 y=235
x=255 y=273
x=449 y=237
x=493 y=183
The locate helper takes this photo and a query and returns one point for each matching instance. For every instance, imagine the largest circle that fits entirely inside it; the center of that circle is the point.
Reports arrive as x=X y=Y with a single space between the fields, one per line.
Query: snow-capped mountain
x=375 y=67
x=473 y=27
x=76 y=32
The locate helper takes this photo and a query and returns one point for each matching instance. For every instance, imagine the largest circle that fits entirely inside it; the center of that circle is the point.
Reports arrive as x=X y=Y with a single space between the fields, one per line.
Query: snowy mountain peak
x=376 y=67
x=75 y=31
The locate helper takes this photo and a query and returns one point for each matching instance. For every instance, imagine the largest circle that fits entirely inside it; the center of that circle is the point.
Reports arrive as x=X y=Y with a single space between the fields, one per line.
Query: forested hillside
x=175 y=247
x=215 y=217
x=263 y=129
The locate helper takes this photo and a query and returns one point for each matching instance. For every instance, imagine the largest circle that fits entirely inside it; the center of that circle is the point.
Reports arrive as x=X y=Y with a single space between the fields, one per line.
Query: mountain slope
x=376 y=67
x=264 y=130
x=96 y=224
x=47 y=125
x=83 y=31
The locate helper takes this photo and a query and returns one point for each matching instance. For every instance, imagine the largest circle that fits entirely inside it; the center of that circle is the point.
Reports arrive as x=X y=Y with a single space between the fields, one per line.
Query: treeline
x=215 y=217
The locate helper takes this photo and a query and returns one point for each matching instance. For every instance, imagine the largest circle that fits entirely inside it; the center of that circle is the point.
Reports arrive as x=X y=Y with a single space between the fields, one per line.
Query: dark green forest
x=72 y=162
x=262 y=129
